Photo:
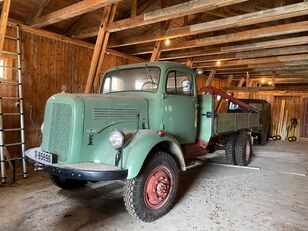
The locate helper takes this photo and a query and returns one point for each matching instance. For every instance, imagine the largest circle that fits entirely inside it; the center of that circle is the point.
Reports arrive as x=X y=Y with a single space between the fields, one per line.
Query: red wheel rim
x=247 y=150
x=157 y=187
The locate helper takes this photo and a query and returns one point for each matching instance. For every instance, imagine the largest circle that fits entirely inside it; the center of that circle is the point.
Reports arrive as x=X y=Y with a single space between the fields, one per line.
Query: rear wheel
x=243 y=149
x=230 y=149
x=65 y=183
x=152 y=193
x=262 y=138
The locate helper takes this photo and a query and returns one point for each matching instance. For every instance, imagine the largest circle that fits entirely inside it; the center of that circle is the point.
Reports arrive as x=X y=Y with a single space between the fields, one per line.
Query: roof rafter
x=70 y=12
x=275 y=59
x=234 y=37
x=221 y=24
x=179 y=10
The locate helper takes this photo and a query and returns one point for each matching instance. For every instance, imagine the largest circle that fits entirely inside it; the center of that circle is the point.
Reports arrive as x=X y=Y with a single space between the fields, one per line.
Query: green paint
x=205 y=122
x=77 y=126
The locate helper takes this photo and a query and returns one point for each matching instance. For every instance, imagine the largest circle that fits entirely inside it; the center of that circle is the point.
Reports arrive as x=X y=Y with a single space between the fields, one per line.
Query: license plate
x=43 y=157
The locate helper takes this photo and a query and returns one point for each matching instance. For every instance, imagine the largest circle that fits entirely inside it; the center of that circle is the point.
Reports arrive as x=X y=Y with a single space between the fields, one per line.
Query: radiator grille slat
x=61 y=130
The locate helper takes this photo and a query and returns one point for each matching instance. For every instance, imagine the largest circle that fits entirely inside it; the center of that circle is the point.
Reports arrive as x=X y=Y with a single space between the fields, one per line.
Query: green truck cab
x=144 y=125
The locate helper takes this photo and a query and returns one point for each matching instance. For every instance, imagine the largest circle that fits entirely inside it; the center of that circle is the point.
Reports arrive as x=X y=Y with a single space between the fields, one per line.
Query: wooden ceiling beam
x=276 y=59
x=93 y=31
x=228 y=49
x=38 y=10
x=179 y=10
x=234 y=37
x=70 y=12
x=284 y=12
x=292 y=64
x=251 y=54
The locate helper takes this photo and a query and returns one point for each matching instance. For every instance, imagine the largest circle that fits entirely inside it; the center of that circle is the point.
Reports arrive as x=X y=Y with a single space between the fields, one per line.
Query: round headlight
x=116 y=139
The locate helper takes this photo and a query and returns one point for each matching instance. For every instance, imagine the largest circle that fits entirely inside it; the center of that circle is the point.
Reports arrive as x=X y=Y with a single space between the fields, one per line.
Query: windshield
x=132 y=79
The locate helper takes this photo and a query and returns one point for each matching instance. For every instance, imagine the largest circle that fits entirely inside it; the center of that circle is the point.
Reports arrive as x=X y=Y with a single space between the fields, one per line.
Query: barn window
x=1 y=68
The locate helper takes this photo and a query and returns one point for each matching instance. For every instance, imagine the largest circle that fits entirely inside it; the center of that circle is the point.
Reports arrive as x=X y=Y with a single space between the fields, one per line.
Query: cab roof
x=160 y=64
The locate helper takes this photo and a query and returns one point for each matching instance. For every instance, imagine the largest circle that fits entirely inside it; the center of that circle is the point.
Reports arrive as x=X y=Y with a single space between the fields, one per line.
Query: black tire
x=290 y=139
x=67 y=184
x=278 y=137
x=294 y=138
x=262 y=138
x=137 y=191
x=274 y=138
x=243 y=149
x=230 y=149
x=211 y=149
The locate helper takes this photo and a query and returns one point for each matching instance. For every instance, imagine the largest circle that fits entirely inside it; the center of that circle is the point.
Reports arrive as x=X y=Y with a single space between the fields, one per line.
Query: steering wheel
x=149 y=82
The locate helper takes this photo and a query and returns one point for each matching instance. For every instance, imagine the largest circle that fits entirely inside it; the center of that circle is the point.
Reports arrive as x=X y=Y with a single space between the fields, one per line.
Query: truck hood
x=114 y=112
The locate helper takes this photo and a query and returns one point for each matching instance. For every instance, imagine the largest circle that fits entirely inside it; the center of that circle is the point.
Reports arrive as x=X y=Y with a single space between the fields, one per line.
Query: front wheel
x=152 y=193
x=65 y=183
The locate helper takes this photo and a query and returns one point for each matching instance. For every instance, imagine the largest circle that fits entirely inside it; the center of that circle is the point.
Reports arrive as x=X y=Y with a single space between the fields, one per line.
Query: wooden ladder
x=10 y=61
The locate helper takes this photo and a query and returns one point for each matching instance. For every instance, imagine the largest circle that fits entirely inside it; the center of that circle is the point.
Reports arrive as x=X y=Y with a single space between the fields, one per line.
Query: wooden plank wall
x=293 y=105
x=47 y=66
x=217 y=83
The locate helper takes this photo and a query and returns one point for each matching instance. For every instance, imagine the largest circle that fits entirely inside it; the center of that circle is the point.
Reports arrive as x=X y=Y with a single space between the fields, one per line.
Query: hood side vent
x=103 y=113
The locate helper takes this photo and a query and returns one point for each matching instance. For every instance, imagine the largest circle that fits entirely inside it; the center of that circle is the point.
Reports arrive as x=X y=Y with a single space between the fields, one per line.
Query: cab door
x=180 y=105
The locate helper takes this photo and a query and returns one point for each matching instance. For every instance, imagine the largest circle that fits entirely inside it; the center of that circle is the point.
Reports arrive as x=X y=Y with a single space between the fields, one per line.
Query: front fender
x=141 y=145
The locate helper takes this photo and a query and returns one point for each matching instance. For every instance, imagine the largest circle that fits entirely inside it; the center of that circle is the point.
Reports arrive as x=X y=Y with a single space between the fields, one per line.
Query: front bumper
x=88 y=171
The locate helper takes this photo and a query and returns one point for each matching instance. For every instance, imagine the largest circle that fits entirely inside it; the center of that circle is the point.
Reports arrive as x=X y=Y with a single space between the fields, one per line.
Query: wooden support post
x=3 y=22
x=241 y=82
x=98 y=50
x=219 y=103
x=229 y=81
x=189 y=62
x=133 y=9
x=250 y=83
x=247 y=79
x=103 y=52
x=156 y=52
x=210 y=78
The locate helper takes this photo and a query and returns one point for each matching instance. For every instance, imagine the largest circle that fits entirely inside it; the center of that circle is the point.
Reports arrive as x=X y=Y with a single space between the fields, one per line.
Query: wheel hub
x=157 y=187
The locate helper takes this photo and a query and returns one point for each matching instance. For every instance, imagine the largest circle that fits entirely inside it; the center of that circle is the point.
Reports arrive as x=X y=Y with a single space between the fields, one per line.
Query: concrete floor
x=212 y=197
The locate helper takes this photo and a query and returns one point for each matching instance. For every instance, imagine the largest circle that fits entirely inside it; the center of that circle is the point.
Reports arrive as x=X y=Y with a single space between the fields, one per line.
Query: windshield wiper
x=146 y=67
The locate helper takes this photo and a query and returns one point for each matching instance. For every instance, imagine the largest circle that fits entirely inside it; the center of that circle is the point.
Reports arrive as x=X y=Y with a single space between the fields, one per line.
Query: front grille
x=61 y=130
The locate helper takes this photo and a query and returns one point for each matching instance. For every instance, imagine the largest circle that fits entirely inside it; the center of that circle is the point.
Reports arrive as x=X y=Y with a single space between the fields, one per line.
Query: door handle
x=208 y=114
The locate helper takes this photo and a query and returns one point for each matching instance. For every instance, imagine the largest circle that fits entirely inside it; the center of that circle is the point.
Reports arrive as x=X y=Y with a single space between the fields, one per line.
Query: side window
x=179 y=83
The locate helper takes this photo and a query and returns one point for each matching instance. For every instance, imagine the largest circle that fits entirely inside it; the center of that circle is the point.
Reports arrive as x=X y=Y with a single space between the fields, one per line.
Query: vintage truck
x=263 y=132
x=145 y=124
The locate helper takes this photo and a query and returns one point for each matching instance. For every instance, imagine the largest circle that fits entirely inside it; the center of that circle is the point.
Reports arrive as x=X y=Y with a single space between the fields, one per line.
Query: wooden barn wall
x=292 y=109
x=293 y=106
x=48 y=66
x=217 y=83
